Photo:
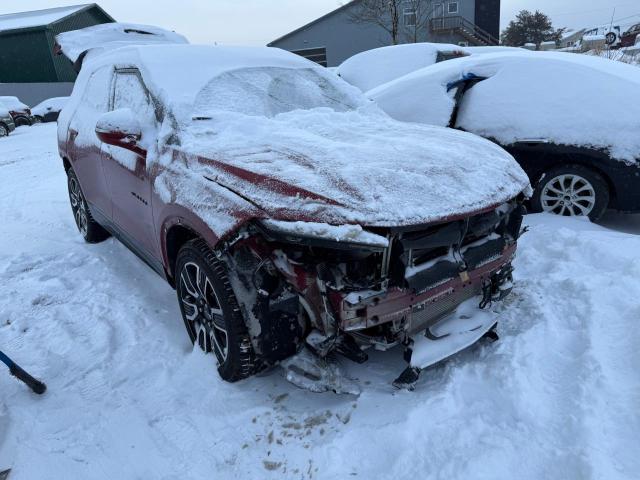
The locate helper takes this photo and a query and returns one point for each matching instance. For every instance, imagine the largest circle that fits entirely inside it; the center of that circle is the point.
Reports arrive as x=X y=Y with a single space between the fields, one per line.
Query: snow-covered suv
x=287 y=209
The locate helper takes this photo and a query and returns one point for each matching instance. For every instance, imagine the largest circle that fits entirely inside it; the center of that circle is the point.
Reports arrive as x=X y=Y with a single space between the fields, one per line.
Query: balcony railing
x=447 y=24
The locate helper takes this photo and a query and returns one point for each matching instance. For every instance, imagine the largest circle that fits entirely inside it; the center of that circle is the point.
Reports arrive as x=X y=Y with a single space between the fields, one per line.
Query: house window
x=410 y=17
x=452 y=7
x=318 y=55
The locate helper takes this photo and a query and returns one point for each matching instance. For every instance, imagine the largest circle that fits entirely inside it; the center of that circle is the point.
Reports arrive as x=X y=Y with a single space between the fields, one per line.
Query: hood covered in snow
x=352 y=167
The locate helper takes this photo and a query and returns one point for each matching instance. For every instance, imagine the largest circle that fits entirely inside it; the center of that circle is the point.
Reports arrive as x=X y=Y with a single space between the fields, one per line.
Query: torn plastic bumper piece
x=454 y=333
x=308 y=371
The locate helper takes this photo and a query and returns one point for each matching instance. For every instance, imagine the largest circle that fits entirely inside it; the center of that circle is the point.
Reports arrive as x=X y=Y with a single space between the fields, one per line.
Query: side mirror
x=120 y=128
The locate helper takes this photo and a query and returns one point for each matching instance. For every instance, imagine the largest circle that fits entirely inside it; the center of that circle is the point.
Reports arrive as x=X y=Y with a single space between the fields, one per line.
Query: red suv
x=285 y=208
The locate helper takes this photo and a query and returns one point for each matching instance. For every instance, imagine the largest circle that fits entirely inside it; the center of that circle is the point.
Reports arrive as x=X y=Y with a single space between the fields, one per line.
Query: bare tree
x=384 y=13
x=416 y=17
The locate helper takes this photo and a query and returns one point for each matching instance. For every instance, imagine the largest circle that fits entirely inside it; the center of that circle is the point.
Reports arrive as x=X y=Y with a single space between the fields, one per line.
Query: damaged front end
x=345 y=289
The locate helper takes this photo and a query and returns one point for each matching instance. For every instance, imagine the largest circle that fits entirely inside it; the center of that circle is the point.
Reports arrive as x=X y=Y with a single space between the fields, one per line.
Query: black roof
x=39 y=19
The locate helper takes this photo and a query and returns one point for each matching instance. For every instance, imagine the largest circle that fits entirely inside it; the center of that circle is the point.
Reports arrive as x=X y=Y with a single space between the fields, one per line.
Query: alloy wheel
x=3 y=131
x=203 y=312
x=568 y=195
x=78 y=205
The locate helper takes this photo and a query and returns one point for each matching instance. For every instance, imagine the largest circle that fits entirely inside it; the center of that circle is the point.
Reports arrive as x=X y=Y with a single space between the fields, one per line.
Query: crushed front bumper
x=412 y=313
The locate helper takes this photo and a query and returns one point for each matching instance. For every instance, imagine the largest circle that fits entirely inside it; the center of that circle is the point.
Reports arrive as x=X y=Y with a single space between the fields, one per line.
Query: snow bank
x=564 y=98
x=375 y=67
x=556 y=398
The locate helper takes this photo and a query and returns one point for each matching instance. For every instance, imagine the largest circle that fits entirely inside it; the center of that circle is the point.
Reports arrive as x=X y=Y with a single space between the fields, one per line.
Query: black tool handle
x=36 y=385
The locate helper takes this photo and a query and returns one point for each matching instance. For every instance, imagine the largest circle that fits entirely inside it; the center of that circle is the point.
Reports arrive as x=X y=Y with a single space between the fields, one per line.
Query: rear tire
x=90 y=230
x=22 y=122
x=4 y=131
x=210 y=310
x=572 y=190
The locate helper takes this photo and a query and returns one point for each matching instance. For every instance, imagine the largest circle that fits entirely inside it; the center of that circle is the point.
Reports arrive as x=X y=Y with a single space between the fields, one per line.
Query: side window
x=129 y=92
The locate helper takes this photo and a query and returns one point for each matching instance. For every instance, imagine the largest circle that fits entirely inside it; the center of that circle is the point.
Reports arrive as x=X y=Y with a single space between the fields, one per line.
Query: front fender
x=204 y=208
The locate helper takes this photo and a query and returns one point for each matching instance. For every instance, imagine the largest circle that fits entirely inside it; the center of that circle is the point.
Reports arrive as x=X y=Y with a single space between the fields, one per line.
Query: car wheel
x=22 y=122
x=210 y=310
x=572 y=190
x=37 y=119
x=91 y=230
x=4 y=131
x=611 y=38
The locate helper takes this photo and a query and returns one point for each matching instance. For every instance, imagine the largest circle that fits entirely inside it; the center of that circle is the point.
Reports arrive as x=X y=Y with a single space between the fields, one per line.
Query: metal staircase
x=469 y=30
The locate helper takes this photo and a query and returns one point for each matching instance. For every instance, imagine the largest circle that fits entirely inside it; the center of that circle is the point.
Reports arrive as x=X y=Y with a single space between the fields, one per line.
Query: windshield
x=269 y=91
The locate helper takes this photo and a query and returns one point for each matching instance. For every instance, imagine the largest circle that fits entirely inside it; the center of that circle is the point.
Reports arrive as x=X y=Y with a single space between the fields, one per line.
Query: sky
x=257 y=22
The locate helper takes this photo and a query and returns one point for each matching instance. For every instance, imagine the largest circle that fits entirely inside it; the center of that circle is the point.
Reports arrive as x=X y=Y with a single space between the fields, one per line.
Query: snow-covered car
x=48 y=110
x=571 y=121
x=286 y=209
x=20 y=112
x=605 y=35
x=6 y=122
x=375 y=67
x=378 y=66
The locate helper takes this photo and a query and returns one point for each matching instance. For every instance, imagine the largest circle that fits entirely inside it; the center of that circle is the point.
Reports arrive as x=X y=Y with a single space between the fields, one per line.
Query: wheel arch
x=537 y=159
x=175 y=237
x=66 y=164
x=583 y=162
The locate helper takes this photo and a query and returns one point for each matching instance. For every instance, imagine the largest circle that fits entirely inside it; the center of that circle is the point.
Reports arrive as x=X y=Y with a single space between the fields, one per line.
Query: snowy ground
x=557 y=398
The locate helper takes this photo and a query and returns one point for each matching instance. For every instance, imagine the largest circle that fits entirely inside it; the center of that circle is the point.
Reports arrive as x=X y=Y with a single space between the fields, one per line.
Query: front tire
x=572 y=190
x=210 y=310
x=90 y=230
x=4 y=131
